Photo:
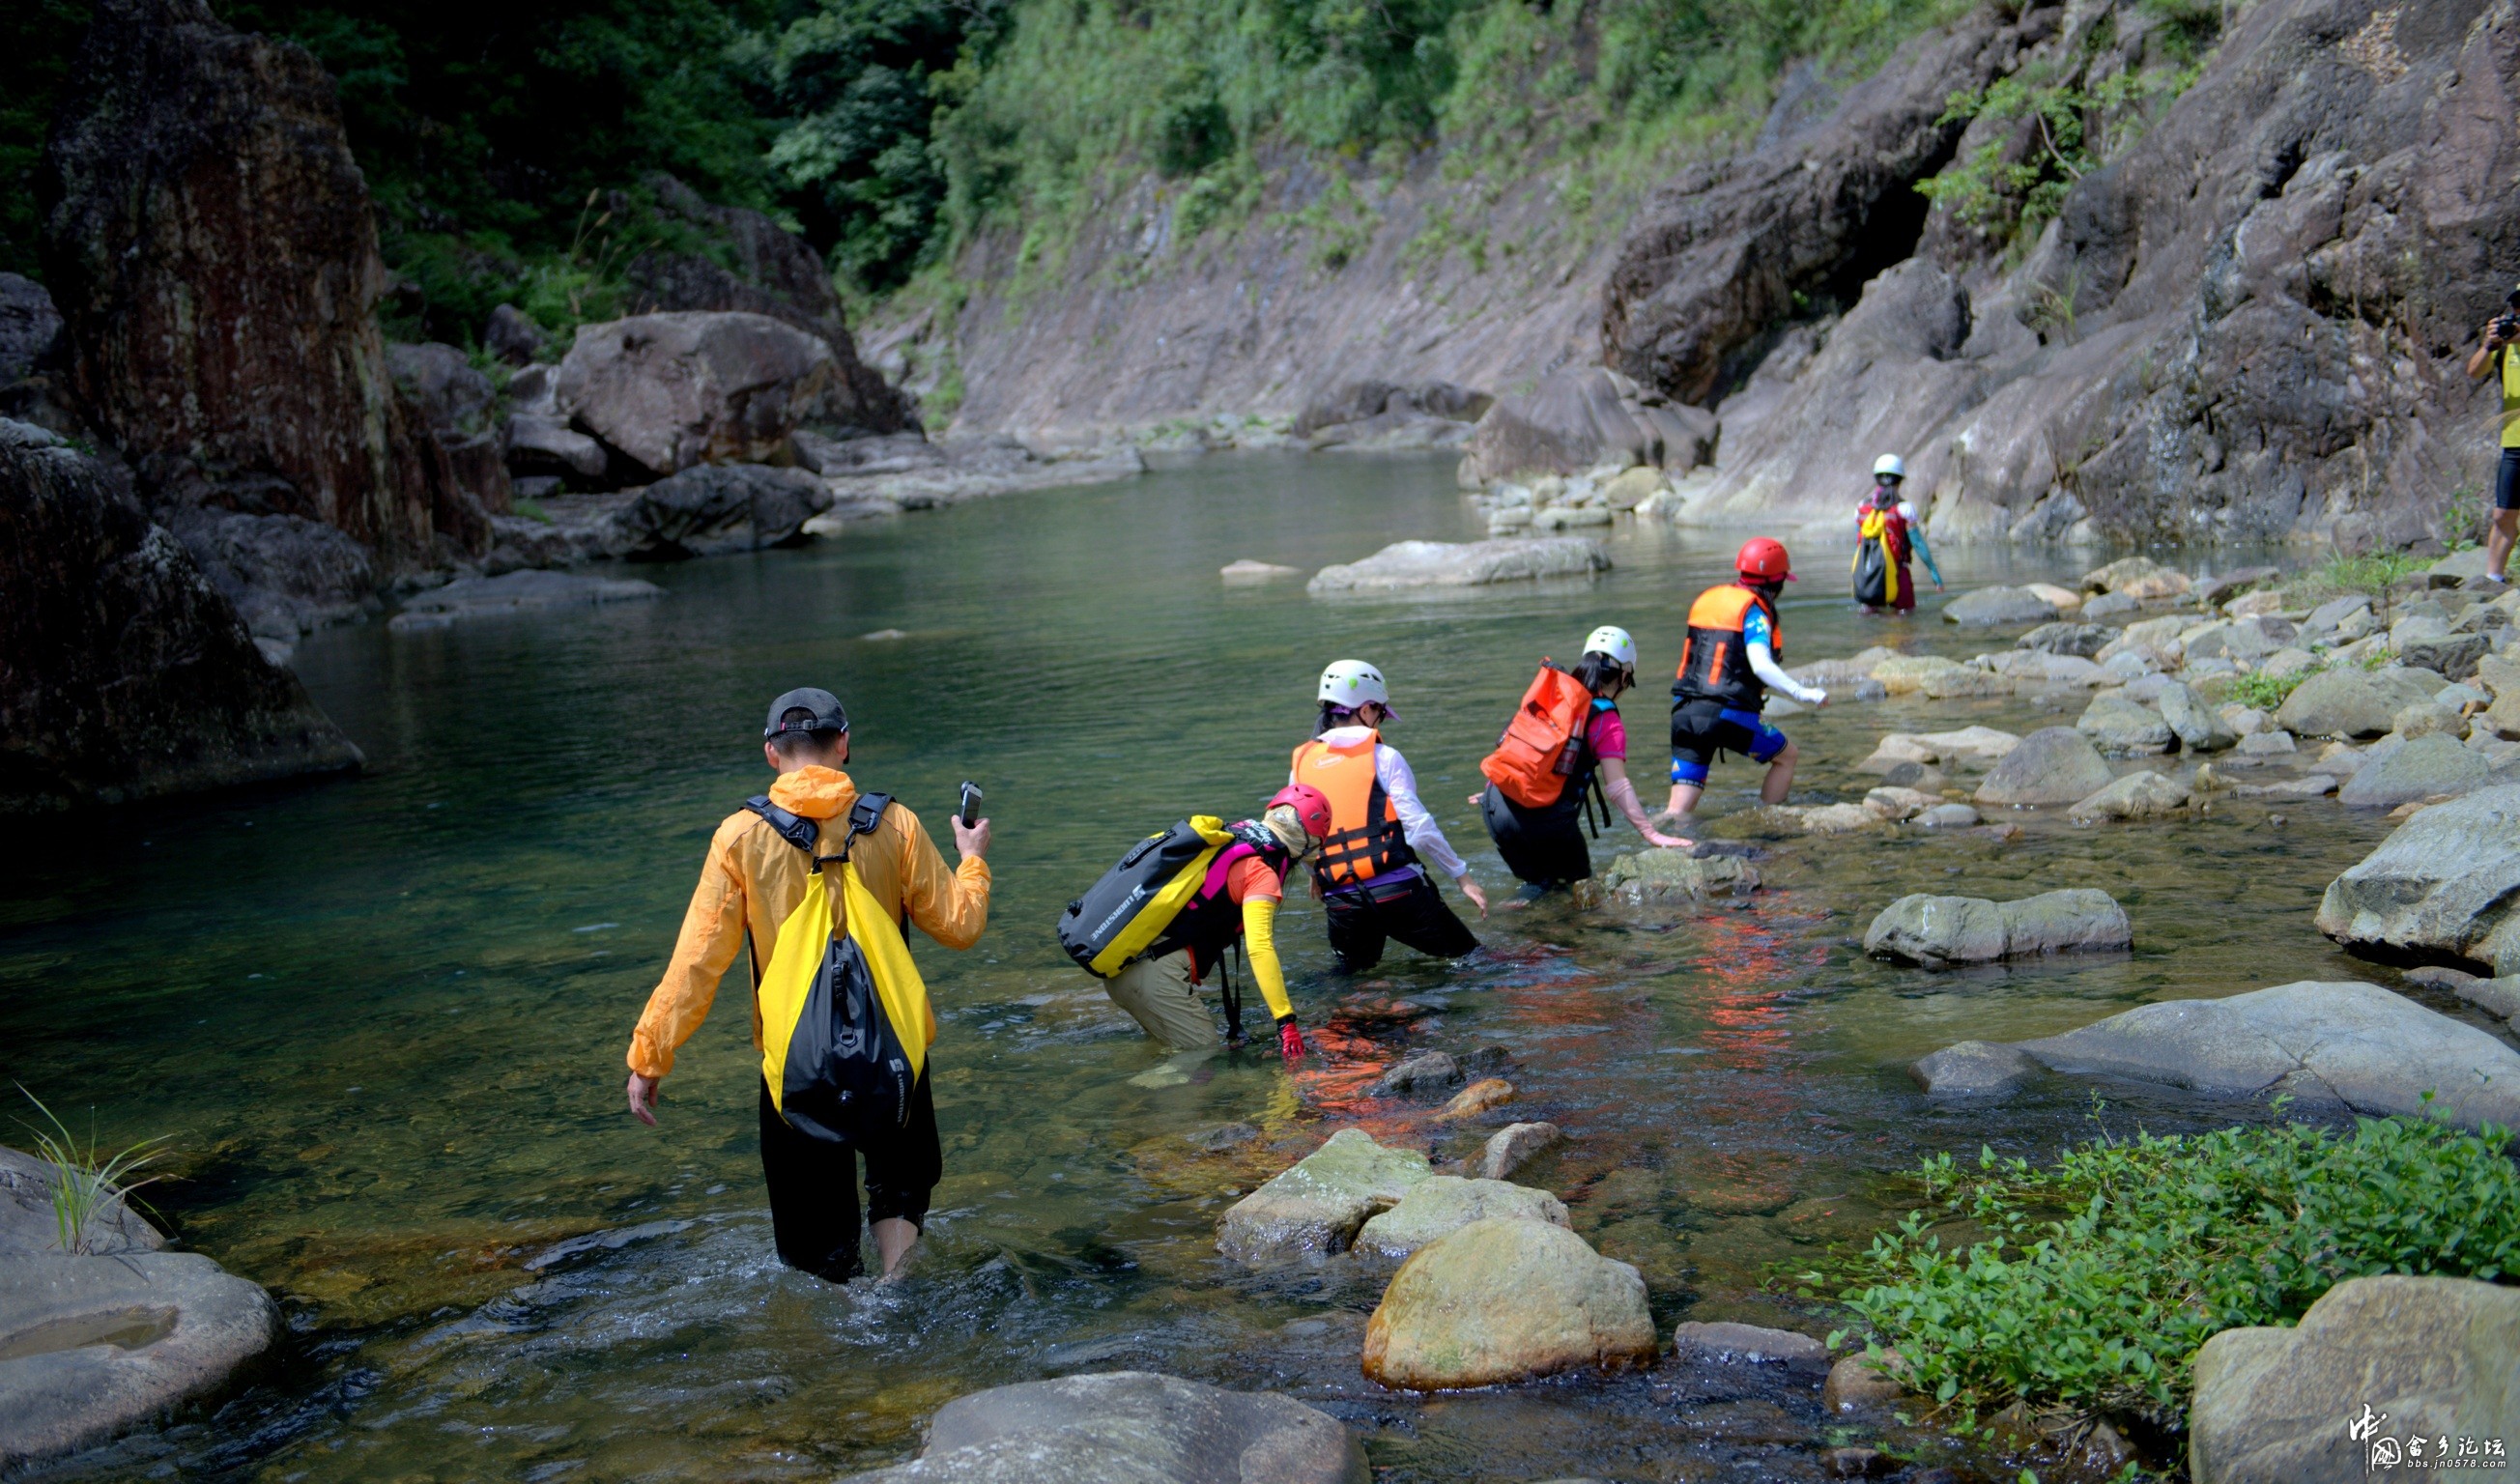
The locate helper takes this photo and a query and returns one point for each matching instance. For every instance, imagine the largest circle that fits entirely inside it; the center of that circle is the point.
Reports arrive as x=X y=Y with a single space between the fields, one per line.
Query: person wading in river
x=1367 y=874
x=1727 y=666
x=1564 y=738
x=753 y=878
x=1886 y=533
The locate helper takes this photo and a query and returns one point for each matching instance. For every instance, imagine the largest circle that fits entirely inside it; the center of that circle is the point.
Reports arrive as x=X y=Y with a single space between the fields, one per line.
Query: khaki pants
x=1157 y=993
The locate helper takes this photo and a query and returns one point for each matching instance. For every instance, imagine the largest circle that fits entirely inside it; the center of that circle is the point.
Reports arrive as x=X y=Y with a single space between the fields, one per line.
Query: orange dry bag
x=1543 y=746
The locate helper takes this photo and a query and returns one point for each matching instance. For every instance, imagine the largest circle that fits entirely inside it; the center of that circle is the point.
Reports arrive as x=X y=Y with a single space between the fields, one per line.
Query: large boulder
x=1444 y=1204
x=1501 y=1301
x=208 y=239
x=713 y=509
x=92 y=1346
x=286 y=575
x=1129 y=1428
x=2053 y=765
x=1940 y=933
x=1315 y=1208
x=2117 y=722
x=2426 y=1356
x=2349 y=702
x=29 y=1224
x=125 y=674
x=669 y=391
x=1579 y=418
x=1991 y=606
x=1405 y=566
x=2431 y=766
x=2323 y=1043
x=2441 y=887
x=762 y=268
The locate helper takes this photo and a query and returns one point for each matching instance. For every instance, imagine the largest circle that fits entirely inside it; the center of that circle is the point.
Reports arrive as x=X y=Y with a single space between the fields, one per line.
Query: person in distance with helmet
x=1728 y=662
x=1367 y=873
x=1545 y=846
x=1885 y=516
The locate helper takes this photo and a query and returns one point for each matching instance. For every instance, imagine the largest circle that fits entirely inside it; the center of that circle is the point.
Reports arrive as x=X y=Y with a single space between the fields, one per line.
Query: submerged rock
x=1315 y=1208
x=2053 y=765
x=1505 y=1301
x=1940 y=931
x=2437 y=1356
x=1478 y=1098
x=1422 y=1074
x=1247 y=572
x=2441 y=886
x=517 y=593
x=1973 y=1069
x=1129 y=1428
x=1516 y=1144
x=1441 y=1205
x=1670 y=876
x=2323 y=1043
x=1404 y=565
x=1723 y=1343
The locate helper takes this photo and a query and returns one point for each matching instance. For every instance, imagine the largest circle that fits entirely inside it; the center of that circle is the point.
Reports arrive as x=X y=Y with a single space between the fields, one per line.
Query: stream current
x=382 y=1019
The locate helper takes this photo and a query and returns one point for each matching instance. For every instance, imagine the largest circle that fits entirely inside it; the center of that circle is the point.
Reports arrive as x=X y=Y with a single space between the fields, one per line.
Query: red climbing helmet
x=1764 y=560
x=1310 y=806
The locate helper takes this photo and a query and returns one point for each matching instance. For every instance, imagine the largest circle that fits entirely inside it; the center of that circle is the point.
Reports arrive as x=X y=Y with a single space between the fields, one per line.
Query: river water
x=382 y=1020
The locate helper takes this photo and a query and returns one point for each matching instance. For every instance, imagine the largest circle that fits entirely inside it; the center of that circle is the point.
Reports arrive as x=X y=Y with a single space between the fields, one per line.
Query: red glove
x=1291 y=1042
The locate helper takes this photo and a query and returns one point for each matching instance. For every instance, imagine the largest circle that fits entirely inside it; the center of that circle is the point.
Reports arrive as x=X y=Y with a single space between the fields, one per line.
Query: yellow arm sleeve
x=1260 y=951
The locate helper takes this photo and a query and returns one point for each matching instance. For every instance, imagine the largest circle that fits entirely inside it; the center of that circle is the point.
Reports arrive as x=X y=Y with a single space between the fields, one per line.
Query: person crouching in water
x=1238 y=901
x=1367 y=873
x=1727 y=666
x=1543 y=843
x=1887 y=532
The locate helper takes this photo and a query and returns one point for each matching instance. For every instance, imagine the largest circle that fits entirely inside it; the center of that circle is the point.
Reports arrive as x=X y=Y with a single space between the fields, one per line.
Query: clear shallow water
x=383 y=1018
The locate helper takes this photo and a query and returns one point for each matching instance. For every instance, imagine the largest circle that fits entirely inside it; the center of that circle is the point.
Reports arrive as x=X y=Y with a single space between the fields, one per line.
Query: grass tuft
x=86 y=1179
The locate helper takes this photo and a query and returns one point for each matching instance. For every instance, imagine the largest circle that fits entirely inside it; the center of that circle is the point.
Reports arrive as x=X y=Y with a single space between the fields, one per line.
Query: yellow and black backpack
x=1164 y=894
x=846 y=1022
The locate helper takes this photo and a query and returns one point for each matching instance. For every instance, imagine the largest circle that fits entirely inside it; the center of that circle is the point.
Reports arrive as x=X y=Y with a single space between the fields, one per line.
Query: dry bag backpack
x=1543 y=746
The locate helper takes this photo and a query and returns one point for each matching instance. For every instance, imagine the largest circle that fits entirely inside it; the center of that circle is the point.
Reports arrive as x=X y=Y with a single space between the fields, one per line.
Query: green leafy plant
x=2075 y=127
x=2373 y=573
x=87 y=1180
x=2268 y=691
x=2100 y=1275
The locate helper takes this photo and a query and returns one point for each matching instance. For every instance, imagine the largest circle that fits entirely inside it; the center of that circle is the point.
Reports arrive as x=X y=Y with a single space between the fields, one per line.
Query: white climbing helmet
x=1615 y=641
x=1892 y=465
x=1352 y=683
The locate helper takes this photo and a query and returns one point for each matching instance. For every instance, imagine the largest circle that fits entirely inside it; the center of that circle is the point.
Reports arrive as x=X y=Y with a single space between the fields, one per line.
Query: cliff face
x=124 y=673
x=208 y=242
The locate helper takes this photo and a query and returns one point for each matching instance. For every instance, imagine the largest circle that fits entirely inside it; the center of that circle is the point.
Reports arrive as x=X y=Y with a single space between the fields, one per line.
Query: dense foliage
x=510 y=146
x=2104 y=1273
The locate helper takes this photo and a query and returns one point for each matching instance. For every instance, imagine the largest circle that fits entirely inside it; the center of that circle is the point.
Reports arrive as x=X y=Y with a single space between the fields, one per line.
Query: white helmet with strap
x=1615 y=641
x=1352 y=683
x=1890 y=465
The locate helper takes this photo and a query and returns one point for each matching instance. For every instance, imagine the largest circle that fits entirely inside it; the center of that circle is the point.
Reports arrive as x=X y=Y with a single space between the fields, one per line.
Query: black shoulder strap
x=864 y=816
x=797 y=831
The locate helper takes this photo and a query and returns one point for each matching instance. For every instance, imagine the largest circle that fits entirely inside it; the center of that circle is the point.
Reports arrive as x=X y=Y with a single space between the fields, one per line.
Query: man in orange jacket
x=752 y=880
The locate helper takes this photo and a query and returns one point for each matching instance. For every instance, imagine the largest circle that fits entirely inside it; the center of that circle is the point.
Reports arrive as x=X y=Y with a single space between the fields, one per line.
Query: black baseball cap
x=824 y=706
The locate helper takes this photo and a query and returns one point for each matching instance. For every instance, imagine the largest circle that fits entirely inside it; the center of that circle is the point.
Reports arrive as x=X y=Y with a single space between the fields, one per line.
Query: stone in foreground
x=2440 y=888
x=2053 y=765
x=1505 y=1301
x=1515 y=1146
x=1939 y=931
x=1730 y=1344
x=1973 y=1069
x=2323 y=1043
x=1315 y=1208
x=2438 y=1356
x=1129 y=1428
x=91 y=1347
x=1441 y=1205
x=1406 y=565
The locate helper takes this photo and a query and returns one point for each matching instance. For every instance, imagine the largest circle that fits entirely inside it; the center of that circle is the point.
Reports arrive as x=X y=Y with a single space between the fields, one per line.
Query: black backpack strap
x=795 y=829
x=864 y=816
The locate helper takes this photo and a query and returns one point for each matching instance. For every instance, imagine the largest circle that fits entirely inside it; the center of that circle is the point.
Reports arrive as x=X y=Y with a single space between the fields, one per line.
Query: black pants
x=814 y=1185
x=2506 y=480
x=1412 y=910
x=1543 y=846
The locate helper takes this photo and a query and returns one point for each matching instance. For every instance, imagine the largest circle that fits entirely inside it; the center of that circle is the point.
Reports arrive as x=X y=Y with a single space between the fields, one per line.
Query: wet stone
x=1427 y=1074
x=1724 y=1343
x=1515 y=1146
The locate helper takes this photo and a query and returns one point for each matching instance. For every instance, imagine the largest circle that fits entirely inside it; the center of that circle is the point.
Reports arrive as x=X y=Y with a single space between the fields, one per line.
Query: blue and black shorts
x=1701 y=729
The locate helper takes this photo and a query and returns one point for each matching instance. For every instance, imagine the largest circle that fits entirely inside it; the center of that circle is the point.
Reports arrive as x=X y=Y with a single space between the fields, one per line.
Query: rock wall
x=208 y=240
x=124 y=674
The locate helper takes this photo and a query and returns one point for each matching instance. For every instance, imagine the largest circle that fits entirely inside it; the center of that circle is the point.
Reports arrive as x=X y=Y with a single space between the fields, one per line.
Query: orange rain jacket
x=753 y=879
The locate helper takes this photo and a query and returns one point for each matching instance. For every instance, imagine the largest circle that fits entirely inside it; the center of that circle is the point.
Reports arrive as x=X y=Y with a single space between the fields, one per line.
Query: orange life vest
x=1365 y=839
x=1543 y=746
x=1714 y=659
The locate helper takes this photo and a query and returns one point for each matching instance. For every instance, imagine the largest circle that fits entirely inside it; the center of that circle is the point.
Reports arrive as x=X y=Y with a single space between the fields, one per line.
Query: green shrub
x=2268 y=691
x=2101 y=1275
x=2375 y=573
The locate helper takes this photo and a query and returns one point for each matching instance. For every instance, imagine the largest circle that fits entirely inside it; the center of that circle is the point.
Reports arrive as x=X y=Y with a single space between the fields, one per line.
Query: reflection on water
x=383 y=1019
